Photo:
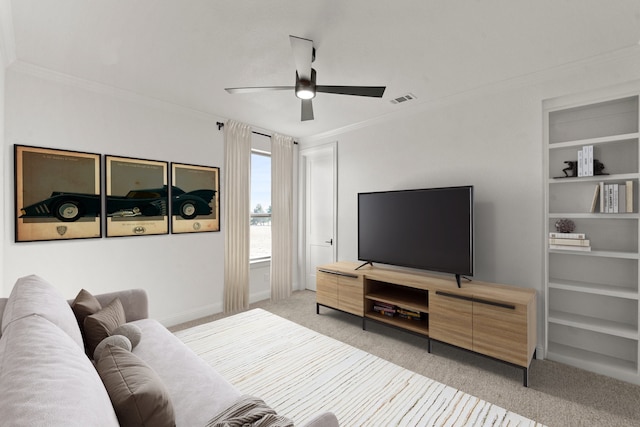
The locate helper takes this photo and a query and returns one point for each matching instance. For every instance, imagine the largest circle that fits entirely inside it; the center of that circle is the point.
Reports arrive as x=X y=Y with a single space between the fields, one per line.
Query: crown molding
x=530 y=79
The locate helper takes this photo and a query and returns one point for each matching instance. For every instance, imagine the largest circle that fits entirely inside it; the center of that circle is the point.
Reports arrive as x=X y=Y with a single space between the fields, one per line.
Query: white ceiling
x=187 y=51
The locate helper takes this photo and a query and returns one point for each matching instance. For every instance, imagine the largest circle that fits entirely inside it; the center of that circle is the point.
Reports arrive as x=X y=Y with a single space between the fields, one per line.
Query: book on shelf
x=585 y=161
x=596 y=198
x=622 y=198
x=570 y=248
x=558 y=235
x=613 y=198
x=409 y=314
x=603 y=193
x=569 y=242
x=589 y=155
x=580 y=163
x=384 y=308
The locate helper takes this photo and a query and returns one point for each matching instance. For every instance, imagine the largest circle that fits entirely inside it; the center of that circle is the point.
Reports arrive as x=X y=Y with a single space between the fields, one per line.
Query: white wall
x=6 y=201
x=491 y=138
x=183 y=274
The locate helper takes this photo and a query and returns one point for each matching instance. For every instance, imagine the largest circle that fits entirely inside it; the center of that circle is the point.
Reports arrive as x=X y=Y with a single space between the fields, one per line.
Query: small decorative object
x=571 y=171
x=598 y=167
x=564 y=225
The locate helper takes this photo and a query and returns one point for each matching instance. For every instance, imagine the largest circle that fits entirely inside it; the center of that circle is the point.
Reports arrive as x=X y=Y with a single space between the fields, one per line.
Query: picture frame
x=136 y=196
x=195 y=198
x=57 y=194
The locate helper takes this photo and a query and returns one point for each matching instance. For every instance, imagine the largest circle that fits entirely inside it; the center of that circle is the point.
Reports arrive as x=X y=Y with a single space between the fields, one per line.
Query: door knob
x=330 y=241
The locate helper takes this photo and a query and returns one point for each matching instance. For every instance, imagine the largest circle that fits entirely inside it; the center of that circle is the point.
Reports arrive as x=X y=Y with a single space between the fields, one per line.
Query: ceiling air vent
x=403 y=98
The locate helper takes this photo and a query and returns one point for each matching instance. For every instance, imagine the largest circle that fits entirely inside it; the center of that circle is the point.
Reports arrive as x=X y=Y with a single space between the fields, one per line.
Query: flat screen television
x=428 y=229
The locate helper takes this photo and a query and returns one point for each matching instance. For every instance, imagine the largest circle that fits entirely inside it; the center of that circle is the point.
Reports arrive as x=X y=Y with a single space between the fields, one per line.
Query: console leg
x=364 y=325
x=317 y=308
x=525 y=377
x=428 y=345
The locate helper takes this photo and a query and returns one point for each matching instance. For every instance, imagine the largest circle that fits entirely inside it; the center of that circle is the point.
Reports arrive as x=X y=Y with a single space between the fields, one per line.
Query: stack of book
x=384 y=308
x=585 y=161
x=613 y=198
x=408 y=314
x=569 y=242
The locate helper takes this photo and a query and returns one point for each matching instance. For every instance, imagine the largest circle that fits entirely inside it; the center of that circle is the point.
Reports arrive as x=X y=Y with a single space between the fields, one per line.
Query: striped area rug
x=300 y=373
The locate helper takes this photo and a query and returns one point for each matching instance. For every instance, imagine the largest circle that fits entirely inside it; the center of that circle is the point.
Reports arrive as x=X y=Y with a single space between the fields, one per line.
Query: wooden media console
x=497 y=321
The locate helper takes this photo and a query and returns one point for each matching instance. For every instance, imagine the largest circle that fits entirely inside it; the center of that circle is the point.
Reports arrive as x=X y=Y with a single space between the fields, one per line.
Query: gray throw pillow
x=100 y=325
x=84 y=305
x=131 y=331
x=115 y=340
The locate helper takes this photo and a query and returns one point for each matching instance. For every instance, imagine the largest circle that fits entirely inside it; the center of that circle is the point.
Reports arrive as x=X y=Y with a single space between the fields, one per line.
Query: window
x=260 y=215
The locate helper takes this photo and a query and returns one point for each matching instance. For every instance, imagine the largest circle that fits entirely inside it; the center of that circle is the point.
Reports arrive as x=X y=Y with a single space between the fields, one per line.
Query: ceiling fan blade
x=257 y=89
x=302 y=56
x=307 y=110
x=372 y=91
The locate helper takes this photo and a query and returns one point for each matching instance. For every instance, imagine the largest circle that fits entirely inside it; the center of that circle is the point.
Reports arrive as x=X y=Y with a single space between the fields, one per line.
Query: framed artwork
x=195 y=198
x=137 y=196
x=57 y=194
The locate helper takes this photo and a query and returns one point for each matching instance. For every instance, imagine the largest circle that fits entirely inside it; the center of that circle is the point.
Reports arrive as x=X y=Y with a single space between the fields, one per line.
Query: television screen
x=430 y=229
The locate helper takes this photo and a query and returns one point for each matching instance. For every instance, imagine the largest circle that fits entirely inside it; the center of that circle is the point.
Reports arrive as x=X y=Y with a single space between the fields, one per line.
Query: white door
x=319 y=205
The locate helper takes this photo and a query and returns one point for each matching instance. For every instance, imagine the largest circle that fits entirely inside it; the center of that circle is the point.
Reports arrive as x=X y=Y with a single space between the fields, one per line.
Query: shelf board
x=418 y=326
x=594 y=288
x=596 y=178
x=594 y=324
x=594 y=215
x=592 y=361
x=605 y=254
x=401 y=298
x=594 y=141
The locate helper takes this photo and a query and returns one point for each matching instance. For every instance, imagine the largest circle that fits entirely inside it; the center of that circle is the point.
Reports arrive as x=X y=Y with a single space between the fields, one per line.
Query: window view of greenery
x=260 y=215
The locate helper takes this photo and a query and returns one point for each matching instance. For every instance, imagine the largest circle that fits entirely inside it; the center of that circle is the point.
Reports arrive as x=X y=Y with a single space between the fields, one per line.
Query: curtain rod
x=221 y=125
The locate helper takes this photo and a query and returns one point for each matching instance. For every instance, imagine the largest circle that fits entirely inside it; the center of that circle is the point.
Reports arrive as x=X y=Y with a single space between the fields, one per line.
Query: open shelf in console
x=403 y=298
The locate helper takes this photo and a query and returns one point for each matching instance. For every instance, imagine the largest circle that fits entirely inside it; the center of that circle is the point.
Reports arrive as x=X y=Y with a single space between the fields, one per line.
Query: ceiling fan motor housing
x=306 y=89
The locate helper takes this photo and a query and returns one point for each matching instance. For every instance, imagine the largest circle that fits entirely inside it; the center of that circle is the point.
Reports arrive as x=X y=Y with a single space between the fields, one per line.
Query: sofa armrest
x=323 y=419
x=134 y=301
x=3 y=303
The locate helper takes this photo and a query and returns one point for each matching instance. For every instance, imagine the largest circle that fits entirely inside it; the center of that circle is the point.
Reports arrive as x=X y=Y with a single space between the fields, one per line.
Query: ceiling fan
x=306 y=88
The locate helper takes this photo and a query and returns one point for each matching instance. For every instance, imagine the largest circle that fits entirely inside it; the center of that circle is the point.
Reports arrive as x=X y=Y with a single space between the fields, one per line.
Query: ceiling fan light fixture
x=305 y=93
x=306 y=89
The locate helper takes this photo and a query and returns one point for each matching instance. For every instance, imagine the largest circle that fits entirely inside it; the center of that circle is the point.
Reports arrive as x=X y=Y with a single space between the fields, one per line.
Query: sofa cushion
x=197 y=391
x=99 y=325
x=46 y=378
x=34 y=295
x=137 y=393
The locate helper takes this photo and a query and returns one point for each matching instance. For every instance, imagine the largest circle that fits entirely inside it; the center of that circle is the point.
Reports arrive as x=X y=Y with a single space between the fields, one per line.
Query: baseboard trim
x=207 y=310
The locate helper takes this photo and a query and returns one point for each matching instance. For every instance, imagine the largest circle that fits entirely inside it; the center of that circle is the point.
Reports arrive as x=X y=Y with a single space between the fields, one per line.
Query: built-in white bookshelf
x=591 y=297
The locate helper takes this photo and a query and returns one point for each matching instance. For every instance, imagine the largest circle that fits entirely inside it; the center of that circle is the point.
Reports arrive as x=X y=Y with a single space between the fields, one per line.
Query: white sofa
x=46 y=378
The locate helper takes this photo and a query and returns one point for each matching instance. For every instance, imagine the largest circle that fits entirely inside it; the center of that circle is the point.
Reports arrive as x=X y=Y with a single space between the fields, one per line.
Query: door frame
x=304 y=155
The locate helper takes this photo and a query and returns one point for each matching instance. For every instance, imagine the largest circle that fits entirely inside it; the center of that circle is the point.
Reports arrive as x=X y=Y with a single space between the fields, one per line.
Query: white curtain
x=237 y=173
x=281 y=216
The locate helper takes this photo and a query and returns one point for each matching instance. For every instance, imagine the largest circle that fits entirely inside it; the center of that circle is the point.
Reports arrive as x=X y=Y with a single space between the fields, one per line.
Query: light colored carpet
x=300 y=373
x=558 y=395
